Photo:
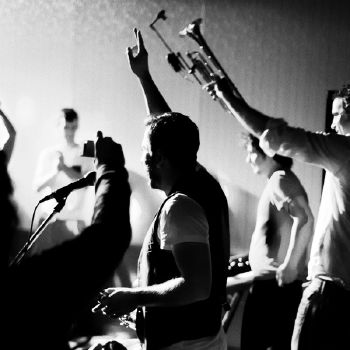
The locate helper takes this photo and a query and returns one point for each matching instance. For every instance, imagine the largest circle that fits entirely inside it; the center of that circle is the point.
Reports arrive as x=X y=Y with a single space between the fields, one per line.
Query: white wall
x=284 y=56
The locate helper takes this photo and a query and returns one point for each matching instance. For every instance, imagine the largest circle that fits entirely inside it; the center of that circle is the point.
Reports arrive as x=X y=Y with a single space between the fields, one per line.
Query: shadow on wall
x=144 y=203
x=242 y=210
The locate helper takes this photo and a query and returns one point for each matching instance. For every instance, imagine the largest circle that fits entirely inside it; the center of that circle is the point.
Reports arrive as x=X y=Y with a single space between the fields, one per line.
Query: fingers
x=99 y=134
x=129 y=53
x=140 y=40
x=102 y=300
x=132 y=52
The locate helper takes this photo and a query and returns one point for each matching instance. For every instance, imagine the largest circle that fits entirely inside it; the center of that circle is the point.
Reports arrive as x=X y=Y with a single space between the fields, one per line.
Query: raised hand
x=138 y=56
x=60 y=161
x=107 y=151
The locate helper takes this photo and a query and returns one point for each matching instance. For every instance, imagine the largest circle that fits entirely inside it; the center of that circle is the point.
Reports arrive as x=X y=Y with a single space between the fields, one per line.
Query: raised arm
x=138 y=61
x=9 y=145
x=78 y=268
x=251 y=119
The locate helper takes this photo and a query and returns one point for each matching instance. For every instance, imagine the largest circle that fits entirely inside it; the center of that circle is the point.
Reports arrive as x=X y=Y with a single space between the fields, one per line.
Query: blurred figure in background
x=57 y=167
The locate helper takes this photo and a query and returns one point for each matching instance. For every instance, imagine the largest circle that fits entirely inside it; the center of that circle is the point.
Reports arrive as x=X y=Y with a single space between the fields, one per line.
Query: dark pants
x=269 y=314
x=323 y=317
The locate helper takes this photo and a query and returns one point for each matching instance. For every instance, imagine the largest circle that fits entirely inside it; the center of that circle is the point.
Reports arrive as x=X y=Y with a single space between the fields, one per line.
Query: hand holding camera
x=104 y=150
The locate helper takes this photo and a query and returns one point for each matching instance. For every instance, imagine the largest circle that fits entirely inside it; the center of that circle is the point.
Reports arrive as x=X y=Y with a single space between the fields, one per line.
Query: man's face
x=256 y=160
x=149 y=161
x=341 y=118
x=69 y=129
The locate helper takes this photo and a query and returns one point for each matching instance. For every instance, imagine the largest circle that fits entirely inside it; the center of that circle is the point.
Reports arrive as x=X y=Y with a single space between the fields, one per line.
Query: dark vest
x=163 y=326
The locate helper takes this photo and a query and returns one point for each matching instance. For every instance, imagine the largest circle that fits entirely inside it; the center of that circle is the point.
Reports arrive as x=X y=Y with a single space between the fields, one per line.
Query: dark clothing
x=322 y=321
x=46 y=292
x=269 y=315
x=200 y=319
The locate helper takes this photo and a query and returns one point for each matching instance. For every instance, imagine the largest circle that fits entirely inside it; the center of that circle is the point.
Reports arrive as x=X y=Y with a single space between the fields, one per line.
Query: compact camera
x=89 y=149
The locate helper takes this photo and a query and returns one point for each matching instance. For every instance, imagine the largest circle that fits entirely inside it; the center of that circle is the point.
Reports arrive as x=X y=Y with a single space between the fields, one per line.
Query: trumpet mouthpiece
x=160 y=15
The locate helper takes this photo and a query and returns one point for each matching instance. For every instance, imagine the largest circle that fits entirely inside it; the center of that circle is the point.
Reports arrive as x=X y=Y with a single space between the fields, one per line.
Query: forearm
x=172 y=293
x=154 y=100
x=112 y=196
x=9 y=144
x=71 y=173
x=44 y=181
x=9 y=127
x=299 y=240
x=252 y=120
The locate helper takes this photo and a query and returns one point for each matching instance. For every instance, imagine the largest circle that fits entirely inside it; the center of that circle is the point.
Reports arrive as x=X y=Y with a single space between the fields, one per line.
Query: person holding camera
x=44 y=293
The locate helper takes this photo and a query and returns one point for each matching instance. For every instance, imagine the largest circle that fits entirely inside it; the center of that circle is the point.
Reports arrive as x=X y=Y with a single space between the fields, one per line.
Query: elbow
x=306 y=220
x=309 y=218
x=303 y=220
x=201 y=291
x=204 y=294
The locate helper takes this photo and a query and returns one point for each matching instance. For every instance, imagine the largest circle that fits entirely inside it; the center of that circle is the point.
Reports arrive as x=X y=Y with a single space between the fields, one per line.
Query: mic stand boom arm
x=20 y=255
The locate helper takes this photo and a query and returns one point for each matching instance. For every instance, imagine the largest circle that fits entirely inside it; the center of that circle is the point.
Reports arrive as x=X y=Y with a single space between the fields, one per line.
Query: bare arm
x=10 y=143
x=300 y=238
x=193 y=285
x=69 y=171
x=154 y=100
x=46 y=172
x=251 y=119
x=48 y=168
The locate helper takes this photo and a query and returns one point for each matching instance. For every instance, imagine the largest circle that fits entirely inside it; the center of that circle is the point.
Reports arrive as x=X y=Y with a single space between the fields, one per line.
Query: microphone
x=87 y=180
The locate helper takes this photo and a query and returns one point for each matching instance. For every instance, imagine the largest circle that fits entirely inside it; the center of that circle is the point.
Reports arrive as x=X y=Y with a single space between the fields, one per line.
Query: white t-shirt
x=79 y=203
x=183 y=220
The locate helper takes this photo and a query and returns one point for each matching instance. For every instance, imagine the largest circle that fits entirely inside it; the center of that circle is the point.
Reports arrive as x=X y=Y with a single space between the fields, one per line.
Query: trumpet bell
x=192 y=29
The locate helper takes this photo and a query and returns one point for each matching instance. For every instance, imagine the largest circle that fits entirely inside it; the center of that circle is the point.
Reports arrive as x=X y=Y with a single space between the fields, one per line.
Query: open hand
x=138 y=56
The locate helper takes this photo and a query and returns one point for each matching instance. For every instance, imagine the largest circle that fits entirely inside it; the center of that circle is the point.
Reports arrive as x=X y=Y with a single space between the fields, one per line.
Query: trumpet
x=204 y=67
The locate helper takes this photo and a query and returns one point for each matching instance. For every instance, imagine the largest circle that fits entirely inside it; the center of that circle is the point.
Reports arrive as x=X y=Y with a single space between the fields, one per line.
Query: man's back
x=274 y=223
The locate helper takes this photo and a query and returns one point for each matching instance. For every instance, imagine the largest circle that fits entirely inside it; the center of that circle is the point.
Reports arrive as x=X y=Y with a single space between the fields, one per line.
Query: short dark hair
x=250 y=140
x=70 y=115
x=176 y=135
x=344 y=93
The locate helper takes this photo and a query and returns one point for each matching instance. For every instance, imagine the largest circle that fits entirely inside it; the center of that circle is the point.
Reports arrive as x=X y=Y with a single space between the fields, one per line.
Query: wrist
x=144 y=76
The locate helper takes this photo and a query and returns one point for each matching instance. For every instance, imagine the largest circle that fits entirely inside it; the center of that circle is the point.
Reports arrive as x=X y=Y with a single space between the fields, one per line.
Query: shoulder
x=285 y=186
x=180 y=203
x=284 y=179
x=182 y=220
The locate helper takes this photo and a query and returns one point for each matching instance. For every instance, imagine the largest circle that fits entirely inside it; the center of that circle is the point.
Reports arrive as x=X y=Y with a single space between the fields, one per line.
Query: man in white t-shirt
x=57 y=167
x=184 y=258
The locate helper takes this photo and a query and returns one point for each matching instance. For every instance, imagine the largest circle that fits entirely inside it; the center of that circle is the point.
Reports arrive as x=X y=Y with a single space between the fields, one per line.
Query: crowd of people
x=299 y=296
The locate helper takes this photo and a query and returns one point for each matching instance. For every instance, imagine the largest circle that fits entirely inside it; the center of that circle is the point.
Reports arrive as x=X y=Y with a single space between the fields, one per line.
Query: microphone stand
x=20 y=255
